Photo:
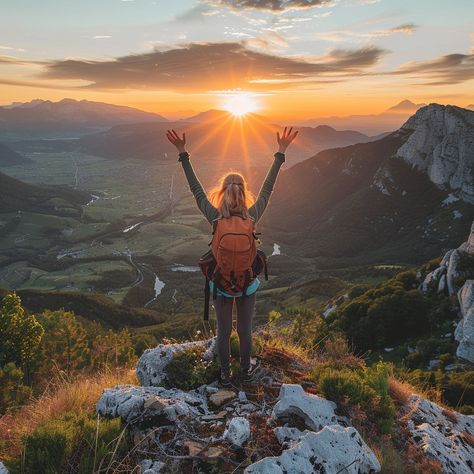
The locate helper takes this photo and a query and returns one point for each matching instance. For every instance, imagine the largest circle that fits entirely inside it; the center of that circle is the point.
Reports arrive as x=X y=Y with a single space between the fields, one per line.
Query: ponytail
x=232 y=196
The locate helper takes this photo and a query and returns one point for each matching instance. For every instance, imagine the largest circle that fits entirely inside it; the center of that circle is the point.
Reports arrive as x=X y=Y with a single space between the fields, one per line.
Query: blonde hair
x=231 y=195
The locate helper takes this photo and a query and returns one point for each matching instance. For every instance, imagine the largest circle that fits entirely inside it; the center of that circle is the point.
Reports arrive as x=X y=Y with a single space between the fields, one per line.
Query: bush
x=366 y=386
x=68 y=444
x=188 y=370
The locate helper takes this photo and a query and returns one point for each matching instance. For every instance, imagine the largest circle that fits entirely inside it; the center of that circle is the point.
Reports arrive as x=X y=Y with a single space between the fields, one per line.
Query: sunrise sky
x=297 y=58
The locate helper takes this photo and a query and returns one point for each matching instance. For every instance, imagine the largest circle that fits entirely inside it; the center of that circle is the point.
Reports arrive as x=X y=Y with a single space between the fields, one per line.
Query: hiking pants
x=245 y=311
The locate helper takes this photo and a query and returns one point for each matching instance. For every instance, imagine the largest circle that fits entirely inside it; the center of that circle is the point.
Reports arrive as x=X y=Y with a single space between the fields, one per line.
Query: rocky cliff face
x=441 y=144
x=454 y=276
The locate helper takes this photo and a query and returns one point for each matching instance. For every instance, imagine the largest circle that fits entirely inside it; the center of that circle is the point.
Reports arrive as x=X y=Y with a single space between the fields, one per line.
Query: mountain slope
x=387 y=200
x=9 y=157
x=371 y=124
x=214 y=134
x=17 y=196
x=67 y=116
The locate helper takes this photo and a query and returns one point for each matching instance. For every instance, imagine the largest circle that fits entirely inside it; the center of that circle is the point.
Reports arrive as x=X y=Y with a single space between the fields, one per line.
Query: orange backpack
x=233 y=262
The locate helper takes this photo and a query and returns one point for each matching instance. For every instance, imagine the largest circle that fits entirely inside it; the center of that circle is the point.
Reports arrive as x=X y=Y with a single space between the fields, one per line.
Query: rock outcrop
x=464 y=332
x=171 y=425
x=443 y=280
x=331 y=450
x=441 y=144
x=152 y=363
x=443 y=435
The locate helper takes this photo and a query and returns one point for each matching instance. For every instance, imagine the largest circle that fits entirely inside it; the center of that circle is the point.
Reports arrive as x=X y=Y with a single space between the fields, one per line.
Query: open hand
x=285 y=139
x=179 y=143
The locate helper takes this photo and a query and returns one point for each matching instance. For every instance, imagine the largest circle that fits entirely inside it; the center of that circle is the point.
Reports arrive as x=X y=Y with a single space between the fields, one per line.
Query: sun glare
x=240 y=104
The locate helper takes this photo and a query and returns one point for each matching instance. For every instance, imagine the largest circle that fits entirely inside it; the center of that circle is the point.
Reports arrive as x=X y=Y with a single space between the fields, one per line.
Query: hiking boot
x=224 y=379
x=247 y=373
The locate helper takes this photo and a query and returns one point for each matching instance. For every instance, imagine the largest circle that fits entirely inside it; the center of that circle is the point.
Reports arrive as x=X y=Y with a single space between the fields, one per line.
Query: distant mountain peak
x=405 y=106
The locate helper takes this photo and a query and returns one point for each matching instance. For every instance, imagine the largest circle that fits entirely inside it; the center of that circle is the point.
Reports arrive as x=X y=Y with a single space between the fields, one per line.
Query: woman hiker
x=232 y=197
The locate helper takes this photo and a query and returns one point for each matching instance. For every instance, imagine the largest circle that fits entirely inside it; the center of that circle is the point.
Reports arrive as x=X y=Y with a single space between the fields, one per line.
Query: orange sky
x=178 y=58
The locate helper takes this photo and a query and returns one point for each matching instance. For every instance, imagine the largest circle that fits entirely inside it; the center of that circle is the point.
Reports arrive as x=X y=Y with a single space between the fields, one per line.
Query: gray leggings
x=245 y=311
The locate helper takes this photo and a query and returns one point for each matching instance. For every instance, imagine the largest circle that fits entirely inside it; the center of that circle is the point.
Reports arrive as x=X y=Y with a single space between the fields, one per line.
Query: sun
x=240 y=104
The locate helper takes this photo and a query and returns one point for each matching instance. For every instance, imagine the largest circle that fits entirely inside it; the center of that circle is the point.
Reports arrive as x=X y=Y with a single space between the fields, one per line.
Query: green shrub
x=367 y=386
x=188 y=370
x=68 y=444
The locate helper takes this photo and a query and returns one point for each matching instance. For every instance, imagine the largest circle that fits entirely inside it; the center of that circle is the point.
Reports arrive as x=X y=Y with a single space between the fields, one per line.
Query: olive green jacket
x=209 y=211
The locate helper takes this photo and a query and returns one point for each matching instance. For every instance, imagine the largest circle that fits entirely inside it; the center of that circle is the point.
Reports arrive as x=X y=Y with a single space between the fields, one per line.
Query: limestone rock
x=152 y=363
x=441 y=434
x=134 y=404
x=238 y=431
x=147 y=466
x=315 y=411
x=464 y=332
x=331 y=450
x=441 y=144
x=221 y=397
x=470 y=241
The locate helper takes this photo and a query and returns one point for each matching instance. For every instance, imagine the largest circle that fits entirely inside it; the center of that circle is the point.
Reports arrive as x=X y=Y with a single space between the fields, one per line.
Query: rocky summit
x=266 y=426
x=441 y=144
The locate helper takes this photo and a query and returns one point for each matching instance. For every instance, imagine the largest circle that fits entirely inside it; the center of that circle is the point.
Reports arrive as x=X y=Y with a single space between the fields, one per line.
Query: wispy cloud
x=274 y=6
x=212 y=66
x=269 y=41
x=448 y=69
x=101 y=37
x=348 y=35
x=10 y=48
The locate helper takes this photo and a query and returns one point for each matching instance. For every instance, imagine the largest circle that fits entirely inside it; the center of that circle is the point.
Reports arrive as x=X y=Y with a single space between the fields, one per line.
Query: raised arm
x=263 y=197
x=209 y=211
x=266 y=190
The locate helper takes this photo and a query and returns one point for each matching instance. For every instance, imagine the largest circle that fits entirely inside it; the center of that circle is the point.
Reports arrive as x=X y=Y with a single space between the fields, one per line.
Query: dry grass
x=272 y=339
x=62 y=395
x=469 y=438
x=450 y=415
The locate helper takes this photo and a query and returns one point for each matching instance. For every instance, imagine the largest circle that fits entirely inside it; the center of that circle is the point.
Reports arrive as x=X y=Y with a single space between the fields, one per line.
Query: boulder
x=137 y=404
x=315 y=411
x=464 y=332
x=238 y=431
x=331 y=450
x=442 y=434
x=152 y=363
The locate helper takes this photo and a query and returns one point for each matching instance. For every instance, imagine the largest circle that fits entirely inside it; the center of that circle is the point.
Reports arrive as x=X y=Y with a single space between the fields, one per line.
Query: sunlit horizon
x=178 y=59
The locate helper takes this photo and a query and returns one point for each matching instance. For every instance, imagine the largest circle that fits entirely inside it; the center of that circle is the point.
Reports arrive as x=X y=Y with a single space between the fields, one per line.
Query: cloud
x=197 y=13
x=404 y=28
x=10 y=48
x=347 y=35
x=269 y=41
x=101 y=37
x=211 y=66
x=448 y=69
x=274 y=6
